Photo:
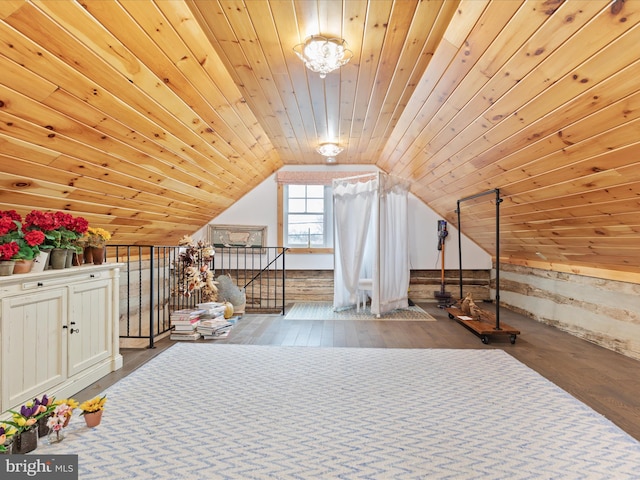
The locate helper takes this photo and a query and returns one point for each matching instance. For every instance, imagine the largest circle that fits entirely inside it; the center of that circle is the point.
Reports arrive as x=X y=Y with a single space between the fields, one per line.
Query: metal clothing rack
x=495 y=191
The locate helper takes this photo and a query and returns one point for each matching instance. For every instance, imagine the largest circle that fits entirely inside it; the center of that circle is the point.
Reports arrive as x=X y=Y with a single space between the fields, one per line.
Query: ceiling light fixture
x=329 y=149
x=323 y=55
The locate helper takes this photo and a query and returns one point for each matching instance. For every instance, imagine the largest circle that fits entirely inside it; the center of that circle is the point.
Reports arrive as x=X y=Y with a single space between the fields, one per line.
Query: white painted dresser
x=58 y=331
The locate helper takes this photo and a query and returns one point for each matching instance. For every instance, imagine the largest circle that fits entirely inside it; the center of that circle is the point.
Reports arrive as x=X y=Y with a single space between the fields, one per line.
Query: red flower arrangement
x=15 y=242
x=60 y=229
x=8 y=250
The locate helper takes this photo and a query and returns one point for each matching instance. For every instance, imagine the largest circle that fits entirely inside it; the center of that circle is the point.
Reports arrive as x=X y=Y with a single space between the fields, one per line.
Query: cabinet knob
x=77 y=330
x=40 y=284
x=92 y=276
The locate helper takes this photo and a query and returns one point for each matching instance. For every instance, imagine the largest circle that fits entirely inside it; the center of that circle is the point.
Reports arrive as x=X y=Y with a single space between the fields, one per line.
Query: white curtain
x=393 y=237
x=371 y=241
x=352 y=216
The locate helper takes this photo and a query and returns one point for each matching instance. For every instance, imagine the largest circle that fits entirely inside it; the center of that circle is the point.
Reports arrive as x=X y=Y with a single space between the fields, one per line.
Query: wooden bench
x=485 y=326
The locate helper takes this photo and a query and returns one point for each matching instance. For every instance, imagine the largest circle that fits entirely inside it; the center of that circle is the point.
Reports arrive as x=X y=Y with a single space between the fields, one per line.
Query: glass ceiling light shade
x=323 y=55
x=329 y=149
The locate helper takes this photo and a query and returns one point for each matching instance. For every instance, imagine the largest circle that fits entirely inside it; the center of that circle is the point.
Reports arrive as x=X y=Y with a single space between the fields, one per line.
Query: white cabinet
x=58 y=331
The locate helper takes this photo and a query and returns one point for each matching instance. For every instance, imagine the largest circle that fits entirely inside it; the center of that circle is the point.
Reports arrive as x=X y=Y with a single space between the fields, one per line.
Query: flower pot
x=55 y=436
x=6 y=267
x=41 y=262
x=93 y=419
x=97 y=254
x=23 y=266
x=43 y=429
x=58 y=258
x=8 y=447
x=69 y=260
x=26 y=441
x=78 y=258
x=88 y=258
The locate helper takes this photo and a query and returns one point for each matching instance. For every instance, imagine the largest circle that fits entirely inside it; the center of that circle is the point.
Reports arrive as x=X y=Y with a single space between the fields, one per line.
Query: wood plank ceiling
x=151 y=117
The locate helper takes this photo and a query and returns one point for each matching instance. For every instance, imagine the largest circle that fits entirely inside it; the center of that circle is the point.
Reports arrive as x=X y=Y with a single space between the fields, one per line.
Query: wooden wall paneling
x=480 y=38
x=470 y=141
x=413 y=61
x=8 y=7
x=374 y=36
x=398 y=25
x=328 y=23
x=93 y=209
x=145 y=190
x=617 y=98
x=469 y=97
x=280 y=39
x=62 y=125
x=84 y=184
x=410 y=123
x=146 y=57
x=58 y=141
x=293 y=82
x=29 y=83
x=195 y=87
x=184 y=22
x=228 y=96
x=514 y=70
x=15 y=147
x=49 y=66
x=235 y=41
x=353 y=29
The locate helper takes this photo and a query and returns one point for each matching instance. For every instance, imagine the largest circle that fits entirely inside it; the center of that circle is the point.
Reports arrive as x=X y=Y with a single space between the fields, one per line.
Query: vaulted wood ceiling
x=149 y=118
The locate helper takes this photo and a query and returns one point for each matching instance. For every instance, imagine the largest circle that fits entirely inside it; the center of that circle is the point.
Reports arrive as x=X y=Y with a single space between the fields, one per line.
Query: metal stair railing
x=149 y=285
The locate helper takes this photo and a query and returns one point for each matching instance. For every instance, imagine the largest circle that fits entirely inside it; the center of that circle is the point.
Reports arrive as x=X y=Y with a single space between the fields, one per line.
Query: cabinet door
x=34 y=345
x=90 y=328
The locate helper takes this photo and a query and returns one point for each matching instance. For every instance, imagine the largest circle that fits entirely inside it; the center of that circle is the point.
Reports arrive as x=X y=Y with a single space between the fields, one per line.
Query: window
x=307 y=216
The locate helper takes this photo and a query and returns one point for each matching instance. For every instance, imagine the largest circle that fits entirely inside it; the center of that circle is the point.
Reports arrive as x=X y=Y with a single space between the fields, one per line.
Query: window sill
x=293 y=250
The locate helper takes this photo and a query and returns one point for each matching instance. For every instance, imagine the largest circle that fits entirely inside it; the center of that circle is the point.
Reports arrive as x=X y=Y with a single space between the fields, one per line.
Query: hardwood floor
x=606 y=381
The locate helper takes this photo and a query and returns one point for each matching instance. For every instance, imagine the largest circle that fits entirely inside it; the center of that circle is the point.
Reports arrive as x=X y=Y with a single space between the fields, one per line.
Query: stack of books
x=184 y=324
x=214 y=328
x=212 y=309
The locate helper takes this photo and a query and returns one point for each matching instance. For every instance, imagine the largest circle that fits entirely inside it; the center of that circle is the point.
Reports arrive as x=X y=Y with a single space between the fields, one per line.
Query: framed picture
x=237 y=236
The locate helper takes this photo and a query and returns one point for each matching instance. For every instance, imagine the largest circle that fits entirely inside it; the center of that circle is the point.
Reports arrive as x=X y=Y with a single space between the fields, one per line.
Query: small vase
x=97 y=254
x=41 y=262
x=23 y=266
x=26 y=441
x=8 y=447
x=58 y=258
x=93 y=419
x=6 y=267
x=69 y=259
x=88 y=258
x=43 y=428
x=55 y=436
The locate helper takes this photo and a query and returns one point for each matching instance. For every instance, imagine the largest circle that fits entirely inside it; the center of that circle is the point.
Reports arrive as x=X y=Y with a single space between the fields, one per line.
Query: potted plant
x=16 y=239
x=7 y=251
x=60 y=230
x=92 y=410
x=97 y=239
x=60 y=418
x=7 y=432
x=26 y=423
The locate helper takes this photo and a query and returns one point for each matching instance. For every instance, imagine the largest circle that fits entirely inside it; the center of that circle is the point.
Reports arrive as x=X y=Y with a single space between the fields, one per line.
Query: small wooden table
x=485 y=326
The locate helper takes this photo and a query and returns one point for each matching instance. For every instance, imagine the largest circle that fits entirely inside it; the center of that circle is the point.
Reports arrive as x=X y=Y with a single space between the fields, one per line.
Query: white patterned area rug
x=324 y=311
x=203 y=411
